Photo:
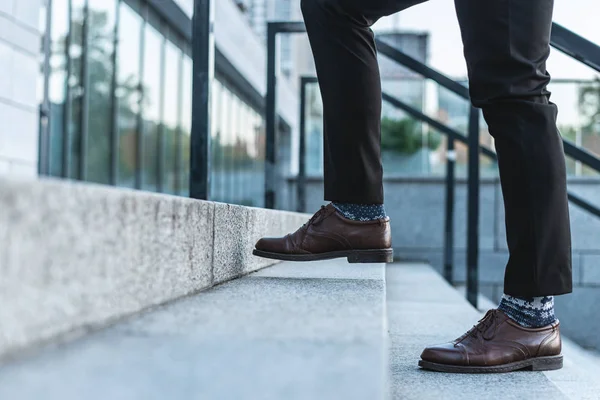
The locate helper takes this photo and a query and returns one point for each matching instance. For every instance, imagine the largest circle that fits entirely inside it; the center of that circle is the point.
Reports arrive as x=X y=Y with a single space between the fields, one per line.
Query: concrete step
x=75 y=257
x=578 y=379
x=423 y=309
x=293 y=331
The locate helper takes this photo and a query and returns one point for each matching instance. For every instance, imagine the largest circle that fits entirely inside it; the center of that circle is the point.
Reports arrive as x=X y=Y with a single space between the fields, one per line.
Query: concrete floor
x=423 y=309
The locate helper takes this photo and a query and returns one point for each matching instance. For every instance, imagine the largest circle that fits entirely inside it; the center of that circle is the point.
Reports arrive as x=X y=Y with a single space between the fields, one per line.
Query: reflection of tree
x=99 y=46
x=589 y=106
x=405 y=136
x=230 y=156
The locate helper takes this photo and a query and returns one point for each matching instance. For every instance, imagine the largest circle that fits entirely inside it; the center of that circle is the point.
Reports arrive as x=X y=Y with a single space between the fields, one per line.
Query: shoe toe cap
x=272 y=245
x=447 y=353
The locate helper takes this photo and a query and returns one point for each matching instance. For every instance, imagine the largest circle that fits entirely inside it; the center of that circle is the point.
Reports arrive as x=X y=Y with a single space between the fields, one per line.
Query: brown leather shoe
x=328 y=235
x=497 y=344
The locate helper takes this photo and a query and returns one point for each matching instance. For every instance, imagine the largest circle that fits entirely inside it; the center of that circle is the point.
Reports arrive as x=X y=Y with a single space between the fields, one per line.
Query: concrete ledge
x=294 y=331
x=77 y=255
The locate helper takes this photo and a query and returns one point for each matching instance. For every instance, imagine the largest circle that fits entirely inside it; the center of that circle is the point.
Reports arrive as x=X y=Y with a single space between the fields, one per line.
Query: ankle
x=534 y=312
x=360 y=212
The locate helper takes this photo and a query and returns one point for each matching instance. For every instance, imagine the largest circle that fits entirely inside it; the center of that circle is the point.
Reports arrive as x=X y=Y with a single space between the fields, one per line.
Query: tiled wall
x=19 y=73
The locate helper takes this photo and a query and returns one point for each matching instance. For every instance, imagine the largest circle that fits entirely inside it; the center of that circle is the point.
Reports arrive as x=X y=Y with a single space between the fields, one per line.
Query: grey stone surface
x=417 y=319
x=74 y=256
x=491 y=263
x=579 y=377
x=330 y=269
x=289 y=334
x=578 y=313
x=590 y=264
x=238 y=230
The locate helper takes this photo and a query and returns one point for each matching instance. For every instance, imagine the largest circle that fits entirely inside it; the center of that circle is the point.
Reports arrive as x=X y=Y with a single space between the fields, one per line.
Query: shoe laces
x=314 y=218
x=479 y=330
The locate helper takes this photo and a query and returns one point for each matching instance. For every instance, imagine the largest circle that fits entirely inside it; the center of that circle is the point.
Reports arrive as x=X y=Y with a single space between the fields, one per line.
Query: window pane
x=57 y=83
x=151 y=107
x=76 y=88
x=215 y=163
x=128 y=92
x=260 y=140
x=246 y=181
x=223 y=145
x=232 y=115
x=186 y=125
x=100 y=47
x=171 y=116
x=237 y=151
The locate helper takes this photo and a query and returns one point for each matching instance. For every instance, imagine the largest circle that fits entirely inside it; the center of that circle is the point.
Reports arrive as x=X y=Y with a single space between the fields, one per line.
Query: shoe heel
x=371 y=256
x=547 y=363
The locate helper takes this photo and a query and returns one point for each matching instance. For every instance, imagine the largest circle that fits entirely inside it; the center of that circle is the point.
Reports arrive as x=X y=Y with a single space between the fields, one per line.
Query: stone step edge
x=75 y=255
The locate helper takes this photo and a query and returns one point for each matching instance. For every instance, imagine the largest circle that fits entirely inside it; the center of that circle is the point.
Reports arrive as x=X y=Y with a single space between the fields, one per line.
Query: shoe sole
x=532 y=364
x=354 y=256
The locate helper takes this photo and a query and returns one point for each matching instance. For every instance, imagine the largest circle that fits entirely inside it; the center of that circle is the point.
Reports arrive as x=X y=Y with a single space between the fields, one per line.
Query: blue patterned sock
x=361 y=212
x=534 y=312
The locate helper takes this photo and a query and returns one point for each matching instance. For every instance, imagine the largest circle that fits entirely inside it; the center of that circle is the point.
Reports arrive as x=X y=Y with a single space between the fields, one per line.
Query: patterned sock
x=361 y=212
x=533 y=312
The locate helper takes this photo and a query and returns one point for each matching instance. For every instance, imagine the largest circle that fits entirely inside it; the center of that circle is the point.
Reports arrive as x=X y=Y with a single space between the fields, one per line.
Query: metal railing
x=562 y=39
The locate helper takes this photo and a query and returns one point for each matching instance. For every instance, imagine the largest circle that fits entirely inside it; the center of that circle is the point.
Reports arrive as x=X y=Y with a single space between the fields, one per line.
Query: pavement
x=325 y=330
x=423 y=309
x=293 y=331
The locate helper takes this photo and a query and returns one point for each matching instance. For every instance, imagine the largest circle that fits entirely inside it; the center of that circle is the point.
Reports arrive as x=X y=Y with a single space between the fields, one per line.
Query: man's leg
x=506 y=46
x=355 y=224
x=346 y=61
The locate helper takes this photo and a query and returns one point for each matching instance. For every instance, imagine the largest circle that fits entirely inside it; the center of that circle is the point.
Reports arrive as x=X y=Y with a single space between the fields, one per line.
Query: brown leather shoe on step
x=328 y=235
x=497 y=344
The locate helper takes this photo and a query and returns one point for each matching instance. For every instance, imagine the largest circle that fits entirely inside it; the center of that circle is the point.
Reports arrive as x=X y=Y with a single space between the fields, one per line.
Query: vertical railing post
x=473 y=209
x=271 y=117
x=449 y=220
x=301 y=182
x=203 y=70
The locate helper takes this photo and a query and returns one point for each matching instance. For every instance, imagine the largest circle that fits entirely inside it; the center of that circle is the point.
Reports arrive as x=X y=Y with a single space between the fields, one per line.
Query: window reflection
x=171 y=116
x=215 y=146
x=151 y=110
x=57 y=83
x=100 y=47
x=128 y=93
x=142 y=89
x=186 y=124
x=223 y=146
x=76 y=88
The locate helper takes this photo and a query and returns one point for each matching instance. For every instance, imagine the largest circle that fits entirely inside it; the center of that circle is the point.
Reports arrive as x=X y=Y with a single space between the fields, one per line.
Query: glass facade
x=119 y=105
x=238 y=149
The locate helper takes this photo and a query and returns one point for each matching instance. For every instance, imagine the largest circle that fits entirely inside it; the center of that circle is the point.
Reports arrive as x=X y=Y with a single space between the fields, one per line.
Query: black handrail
x=575 y=46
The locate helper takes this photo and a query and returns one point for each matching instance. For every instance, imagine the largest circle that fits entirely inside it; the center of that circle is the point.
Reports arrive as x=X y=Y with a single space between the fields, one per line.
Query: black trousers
x=506 y=45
